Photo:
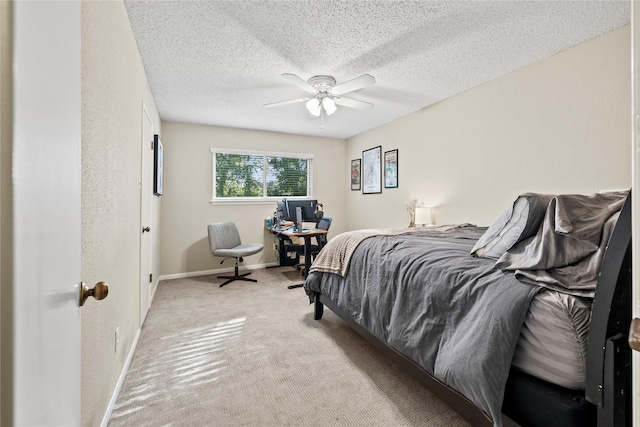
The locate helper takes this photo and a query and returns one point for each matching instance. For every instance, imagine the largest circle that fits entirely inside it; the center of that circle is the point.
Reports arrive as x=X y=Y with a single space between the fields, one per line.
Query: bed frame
x=606 y=399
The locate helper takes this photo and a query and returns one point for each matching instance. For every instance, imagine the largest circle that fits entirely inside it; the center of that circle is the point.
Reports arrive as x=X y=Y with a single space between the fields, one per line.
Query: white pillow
x=521 y=220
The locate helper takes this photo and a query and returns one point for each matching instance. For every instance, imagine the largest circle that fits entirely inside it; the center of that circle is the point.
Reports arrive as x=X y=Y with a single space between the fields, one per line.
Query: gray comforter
x=422 y=294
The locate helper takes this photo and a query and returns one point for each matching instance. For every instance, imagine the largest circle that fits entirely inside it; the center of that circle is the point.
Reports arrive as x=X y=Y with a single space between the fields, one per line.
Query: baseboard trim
x=123 y=375
x=214 y=271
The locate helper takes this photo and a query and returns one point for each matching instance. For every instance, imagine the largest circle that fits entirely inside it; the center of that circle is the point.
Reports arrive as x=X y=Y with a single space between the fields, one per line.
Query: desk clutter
x=282 y=225
x=296 y=211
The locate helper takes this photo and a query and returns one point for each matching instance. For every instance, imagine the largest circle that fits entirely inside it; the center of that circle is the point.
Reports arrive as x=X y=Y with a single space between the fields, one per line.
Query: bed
x=523 y=323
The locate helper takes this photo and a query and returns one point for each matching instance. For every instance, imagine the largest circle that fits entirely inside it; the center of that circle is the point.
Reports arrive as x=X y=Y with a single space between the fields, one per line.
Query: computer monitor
x=308 y=210
x=281 y=210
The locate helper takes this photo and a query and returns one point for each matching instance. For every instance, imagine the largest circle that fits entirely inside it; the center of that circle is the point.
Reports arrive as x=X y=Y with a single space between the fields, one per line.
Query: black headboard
x=608 y=383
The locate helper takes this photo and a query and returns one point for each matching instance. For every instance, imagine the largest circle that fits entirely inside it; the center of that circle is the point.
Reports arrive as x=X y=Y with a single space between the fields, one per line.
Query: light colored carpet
x=293 y=275
x=250 y=354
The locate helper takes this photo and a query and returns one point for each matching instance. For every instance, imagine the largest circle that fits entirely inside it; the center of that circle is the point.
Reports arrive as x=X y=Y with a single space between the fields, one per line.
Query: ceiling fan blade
x=353 y=103
x=293 y=101
x=299 y=82
x=354 y=84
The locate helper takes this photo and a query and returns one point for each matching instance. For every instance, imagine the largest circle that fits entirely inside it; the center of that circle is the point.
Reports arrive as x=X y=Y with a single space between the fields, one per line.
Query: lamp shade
x=313 y=105
x=329 y=105
x=423 y=216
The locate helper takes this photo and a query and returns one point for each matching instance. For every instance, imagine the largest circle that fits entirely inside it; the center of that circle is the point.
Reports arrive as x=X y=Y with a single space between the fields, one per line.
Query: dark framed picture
x=391 y=169
x=371 y=170
x=158 y=161
x=355 y=174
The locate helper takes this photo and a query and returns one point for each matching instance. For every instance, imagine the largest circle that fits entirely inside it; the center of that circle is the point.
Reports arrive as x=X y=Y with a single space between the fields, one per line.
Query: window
x=240 y=175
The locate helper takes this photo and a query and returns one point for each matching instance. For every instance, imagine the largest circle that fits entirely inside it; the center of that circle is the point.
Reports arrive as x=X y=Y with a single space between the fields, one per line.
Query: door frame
x=635 y=200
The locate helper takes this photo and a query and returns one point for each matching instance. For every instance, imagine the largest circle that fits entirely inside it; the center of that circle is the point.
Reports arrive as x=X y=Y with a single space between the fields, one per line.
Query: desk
x=307 y=234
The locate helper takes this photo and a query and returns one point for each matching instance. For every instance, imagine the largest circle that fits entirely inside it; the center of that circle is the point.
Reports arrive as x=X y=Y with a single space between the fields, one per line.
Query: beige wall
x=188 y=186
x=114 y=88
x=561 y=125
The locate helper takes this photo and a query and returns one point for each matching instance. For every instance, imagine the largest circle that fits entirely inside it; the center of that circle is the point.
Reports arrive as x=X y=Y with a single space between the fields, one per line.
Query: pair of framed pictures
x=366 y=173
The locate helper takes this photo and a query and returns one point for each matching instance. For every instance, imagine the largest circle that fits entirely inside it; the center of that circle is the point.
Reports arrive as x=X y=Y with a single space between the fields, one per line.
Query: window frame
x=264 y=199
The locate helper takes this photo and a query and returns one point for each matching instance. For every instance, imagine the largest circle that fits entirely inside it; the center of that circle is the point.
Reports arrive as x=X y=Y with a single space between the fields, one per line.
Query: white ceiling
x=218 y=62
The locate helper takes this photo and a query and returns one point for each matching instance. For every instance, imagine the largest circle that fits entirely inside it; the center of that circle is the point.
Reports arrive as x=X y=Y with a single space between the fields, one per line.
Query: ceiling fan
x=325 y=95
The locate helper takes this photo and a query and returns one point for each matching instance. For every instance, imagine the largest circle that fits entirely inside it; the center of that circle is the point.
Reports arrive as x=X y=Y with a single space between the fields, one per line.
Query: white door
x=46 y=186
x=147 y=231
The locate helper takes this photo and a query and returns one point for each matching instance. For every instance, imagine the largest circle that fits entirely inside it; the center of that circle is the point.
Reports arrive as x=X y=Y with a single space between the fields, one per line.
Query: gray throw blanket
x=455 y=315
x=337 y=255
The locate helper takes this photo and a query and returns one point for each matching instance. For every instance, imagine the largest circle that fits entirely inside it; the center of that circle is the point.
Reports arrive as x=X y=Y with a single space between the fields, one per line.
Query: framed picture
x=391 y=169
x=371 y=170
x=355 y=174
x=158 y=160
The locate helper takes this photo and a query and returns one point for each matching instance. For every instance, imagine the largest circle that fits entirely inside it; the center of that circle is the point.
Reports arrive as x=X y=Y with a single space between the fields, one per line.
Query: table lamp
x=423 y=216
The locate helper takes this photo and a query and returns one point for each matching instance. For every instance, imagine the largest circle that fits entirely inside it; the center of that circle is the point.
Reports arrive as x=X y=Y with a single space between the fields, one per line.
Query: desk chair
x=323 y=224
x=224 y=241
x=321 y=240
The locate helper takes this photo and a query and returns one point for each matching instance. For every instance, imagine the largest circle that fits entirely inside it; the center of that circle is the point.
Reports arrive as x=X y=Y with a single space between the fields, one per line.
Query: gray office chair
x=323 y=224
x=321 y=240
x=224 y=241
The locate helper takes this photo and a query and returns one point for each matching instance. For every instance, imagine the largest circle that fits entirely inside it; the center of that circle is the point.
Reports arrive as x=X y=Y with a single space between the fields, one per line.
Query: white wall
x=188 y=187
x=114 y=87
x=6 y=214
x=562 y=125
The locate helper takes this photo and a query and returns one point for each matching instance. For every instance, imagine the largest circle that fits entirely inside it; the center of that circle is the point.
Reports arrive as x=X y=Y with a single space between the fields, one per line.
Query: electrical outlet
x=275 y=246
x=117 y=339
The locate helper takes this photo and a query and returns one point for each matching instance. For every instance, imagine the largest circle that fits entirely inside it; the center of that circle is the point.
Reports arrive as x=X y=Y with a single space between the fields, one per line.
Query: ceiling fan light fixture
x=322 y=94
x=329 y=105
x=314 y=107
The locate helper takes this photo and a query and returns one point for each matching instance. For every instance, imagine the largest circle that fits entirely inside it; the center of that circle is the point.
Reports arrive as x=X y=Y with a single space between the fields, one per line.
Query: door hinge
x=152 y=145
x=151 y=278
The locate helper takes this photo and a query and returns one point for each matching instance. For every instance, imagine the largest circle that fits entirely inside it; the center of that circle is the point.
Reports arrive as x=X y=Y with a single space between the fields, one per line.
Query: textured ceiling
x=219 y=62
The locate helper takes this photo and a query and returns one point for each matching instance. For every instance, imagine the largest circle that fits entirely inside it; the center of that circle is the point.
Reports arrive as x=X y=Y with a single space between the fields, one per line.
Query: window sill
x=266 y=201
x=242 y=202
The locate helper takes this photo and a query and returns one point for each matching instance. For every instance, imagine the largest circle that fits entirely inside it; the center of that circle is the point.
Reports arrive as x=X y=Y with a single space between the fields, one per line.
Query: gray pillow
x=570 y=232
x=518 y=222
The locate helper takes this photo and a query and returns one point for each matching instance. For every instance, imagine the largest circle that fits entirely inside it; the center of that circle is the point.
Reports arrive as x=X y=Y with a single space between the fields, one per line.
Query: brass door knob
x=99 y=292
x=634 y=334
x=147 y=229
